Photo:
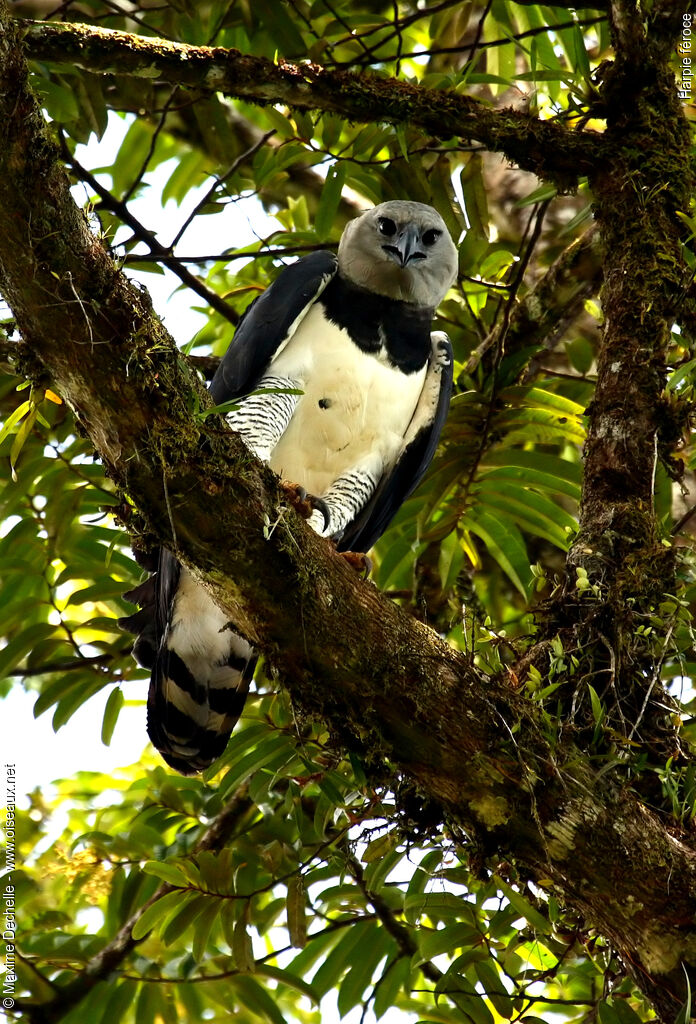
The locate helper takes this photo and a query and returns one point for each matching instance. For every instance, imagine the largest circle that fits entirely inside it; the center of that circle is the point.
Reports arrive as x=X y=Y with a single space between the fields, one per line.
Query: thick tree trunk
x=387 y=685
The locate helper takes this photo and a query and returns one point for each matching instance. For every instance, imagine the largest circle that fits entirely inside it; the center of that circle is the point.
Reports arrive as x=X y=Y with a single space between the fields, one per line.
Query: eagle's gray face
x=402 y=250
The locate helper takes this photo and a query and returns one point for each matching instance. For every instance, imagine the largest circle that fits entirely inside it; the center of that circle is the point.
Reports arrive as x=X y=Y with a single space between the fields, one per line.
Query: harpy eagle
x=342 y=389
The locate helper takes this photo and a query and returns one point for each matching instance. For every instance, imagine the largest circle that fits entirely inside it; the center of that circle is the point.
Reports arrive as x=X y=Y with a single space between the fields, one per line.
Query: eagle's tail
x=200 y=668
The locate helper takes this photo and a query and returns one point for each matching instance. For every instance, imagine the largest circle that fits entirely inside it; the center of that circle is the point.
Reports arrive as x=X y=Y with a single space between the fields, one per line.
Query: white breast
x=354 y=405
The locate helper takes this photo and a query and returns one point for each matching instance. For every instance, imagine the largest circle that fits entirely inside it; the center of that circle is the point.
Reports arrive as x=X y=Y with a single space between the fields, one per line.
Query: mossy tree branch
x=388 y=686
x=545 y=147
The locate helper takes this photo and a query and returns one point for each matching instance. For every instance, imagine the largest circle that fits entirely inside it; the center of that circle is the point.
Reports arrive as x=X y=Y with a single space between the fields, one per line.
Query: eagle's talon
x=321 y=506
x=358 y=561
x=304 y=503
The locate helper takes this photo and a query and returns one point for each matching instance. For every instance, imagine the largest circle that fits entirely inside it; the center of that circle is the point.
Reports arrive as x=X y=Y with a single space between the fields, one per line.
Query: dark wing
x=270 y=321
x=267 y=324
x=420 y=442
x=154 y=595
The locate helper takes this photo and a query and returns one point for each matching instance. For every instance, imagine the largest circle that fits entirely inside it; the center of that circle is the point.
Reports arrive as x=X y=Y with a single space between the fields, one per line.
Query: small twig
x=681 y=523
x=290 y=250
x=341 y=21
x=80 y=664
x=246 y=155
x=81 y=305
x=157 y=250
x=439 y=51
x=479 y=32
x=153 y=142
x=537 y=217
x=396 y=27
x=653 y=681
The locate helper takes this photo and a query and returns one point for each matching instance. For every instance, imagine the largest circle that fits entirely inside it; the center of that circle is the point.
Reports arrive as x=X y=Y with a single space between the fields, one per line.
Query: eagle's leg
x=261 y=420
x=263 y=416
x=346 y=497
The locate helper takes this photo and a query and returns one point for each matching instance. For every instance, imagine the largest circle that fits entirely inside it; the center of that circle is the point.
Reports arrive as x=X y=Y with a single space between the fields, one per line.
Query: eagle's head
x=402 y=250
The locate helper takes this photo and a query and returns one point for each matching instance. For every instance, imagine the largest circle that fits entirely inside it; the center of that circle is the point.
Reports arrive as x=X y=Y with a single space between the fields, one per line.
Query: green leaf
x=317 y=946
x=422 y=877
x=325 y=218
x=364 y=962
x=256 y=999
x=14 y=418
x=21 y=437
x=205 y=922
x=275 y=749
x=395 y=978
x=167 y=872
x=59 y=100
x=473 y=189
x=288 y=979
x=118 y=1001
x=241 y=941
x=684 y=1015
x=545 y=470
x=539 y=195
x=336 y=963
x=378 y=870
x=606 y=1013
x=546 y=400
x=505 y=545
x=447 y=940
x=533 y=512
x=581 y=354
x=597 y=709
x=93 y=113
x=183 y=916
x=493 y=988
x=24 y=642
x=625 y=1013
x=438 y=906
x=284 y=31
x=296 y=917
x=379 y=847
x=280 y=122
x=147 y=1004
x=450 y=561
x=111 y=713
x=524 y=908
x=473 y=1006
x=188 y=172
x=157 y=912
x=535 y=424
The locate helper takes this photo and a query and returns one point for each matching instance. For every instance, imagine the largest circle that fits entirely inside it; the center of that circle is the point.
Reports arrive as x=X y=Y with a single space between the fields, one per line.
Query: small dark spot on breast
x=324 y=403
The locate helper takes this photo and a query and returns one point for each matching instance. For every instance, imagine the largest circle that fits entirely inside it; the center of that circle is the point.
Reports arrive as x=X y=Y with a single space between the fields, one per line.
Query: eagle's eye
x=431 y=236
x=387 y=226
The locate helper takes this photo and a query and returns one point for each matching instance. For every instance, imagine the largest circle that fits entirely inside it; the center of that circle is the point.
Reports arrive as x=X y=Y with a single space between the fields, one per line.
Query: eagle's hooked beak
x=406 y=247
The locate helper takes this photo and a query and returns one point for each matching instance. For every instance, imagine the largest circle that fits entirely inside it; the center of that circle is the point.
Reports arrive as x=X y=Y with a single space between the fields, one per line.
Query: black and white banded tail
x=201 y=668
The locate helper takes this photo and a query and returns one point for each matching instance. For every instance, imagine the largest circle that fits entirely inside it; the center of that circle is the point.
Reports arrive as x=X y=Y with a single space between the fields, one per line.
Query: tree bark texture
x=388 y=686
